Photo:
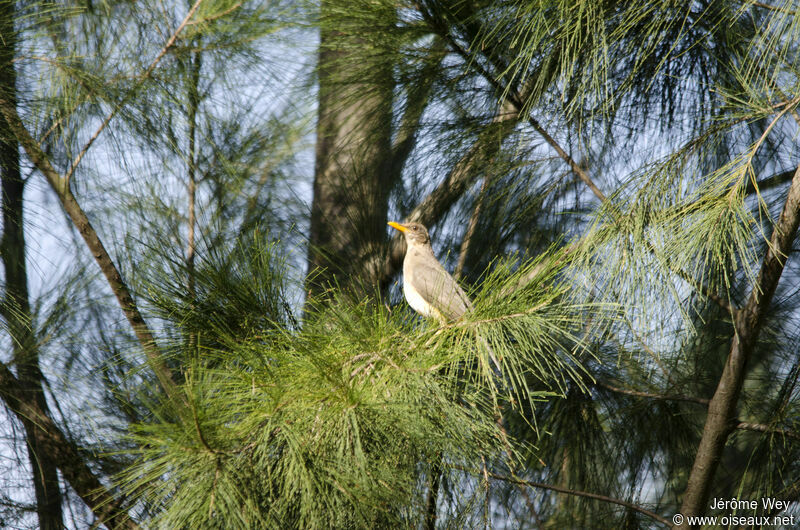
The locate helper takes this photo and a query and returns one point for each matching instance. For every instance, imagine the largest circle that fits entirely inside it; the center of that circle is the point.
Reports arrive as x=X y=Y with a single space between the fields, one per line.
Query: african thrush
x=428 y=288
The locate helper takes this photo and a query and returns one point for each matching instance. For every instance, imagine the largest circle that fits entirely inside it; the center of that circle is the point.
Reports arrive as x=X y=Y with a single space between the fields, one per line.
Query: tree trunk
x=747 y=321
x=352 y=176
x=15 y=307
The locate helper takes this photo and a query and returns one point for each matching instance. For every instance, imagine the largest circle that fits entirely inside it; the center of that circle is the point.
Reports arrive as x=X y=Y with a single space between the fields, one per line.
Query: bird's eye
x=415 y=228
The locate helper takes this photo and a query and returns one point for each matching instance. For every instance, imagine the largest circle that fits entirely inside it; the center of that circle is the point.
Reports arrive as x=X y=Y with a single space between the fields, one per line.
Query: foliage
x=334 y=423
x=609 y=175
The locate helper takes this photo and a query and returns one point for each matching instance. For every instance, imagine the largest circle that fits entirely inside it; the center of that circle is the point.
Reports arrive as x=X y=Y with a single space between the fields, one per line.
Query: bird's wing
x=439 y=289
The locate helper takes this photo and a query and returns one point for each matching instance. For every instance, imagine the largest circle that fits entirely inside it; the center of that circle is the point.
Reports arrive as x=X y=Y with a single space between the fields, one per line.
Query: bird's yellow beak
x=397 y=226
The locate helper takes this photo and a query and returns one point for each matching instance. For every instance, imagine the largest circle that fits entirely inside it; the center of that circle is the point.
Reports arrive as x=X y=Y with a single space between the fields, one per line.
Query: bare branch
x=461 y=177
x=760 y=427
x=568 y=491
x=650 y=395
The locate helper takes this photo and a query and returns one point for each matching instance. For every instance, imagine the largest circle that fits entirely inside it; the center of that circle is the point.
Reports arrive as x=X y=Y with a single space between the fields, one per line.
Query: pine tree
x=615 y=184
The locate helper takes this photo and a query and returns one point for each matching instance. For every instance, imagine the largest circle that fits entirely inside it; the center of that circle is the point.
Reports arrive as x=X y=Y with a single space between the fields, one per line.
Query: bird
x=428 y=287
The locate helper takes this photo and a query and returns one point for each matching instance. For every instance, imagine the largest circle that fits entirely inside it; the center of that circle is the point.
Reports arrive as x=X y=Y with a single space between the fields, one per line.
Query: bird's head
x=415 y=233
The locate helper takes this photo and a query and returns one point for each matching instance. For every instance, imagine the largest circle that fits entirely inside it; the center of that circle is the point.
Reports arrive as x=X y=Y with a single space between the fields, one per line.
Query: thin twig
x=662 y=397
x=577 y=493
x=656 y=358
x=473 y=225
x=514 y=98
x=760 y=427
x=774 y=8
x=790 y=106
x=216 y=16
x=142 y=78
x=510 y=462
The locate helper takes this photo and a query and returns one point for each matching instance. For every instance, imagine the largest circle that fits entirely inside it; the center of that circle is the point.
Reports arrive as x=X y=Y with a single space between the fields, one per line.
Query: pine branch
x=768 y=183
x=513 y=97
x=584 y=176
x=142 y=78
x=516 y=99
x=60 y=185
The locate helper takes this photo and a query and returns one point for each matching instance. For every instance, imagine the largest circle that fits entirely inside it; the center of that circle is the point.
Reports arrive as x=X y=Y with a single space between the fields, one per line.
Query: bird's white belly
x=416 y=301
